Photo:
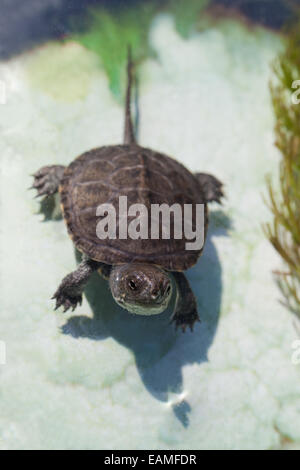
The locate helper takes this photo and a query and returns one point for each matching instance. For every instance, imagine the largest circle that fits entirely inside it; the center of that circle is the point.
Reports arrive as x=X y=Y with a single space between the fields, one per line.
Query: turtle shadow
x=161 y=352
x=49 y=207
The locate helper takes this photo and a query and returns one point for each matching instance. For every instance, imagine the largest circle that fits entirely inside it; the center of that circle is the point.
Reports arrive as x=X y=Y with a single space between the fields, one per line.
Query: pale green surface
x=120 y=381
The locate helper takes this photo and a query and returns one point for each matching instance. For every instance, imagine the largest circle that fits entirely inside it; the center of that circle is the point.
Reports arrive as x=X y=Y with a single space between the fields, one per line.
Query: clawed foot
x=47 y=179
x=211 y=186
x=66 y=300
x=184 y=320
x=67 y=295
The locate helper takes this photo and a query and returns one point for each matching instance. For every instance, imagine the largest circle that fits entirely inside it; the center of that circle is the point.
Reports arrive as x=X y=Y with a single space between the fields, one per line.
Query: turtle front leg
x=47 y=180
x=185 y=313
x=69 y=292
x=212 y=187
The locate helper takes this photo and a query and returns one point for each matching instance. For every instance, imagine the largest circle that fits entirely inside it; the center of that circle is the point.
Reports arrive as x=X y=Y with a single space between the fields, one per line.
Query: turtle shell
x=146 y=177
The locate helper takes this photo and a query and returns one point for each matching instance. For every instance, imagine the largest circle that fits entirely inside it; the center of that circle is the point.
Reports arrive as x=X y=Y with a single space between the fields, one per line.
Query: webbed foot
x=185 y=314
x=212 y=187
x=66 y=301
x=184 y=320
x=69 y=292
x=47 y=180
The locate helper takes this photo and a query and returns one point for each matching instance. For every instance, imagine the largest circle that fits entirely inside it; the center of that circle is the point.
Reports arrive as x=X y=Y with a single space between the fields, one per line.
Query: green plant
x=110 y=30
x=284 y=230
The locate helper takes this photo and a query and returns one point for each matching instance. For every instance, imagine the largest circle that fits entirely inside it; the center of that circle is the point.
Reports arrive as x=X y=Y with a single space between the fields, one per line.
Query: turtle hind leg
x=211 y=186
x=185 y=313
x=47 y=180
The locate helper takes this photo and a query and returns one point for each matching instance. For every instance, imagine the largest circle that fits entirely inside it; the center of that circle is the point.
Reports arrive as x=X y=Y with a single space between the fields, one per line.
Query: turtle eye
x=132 y=285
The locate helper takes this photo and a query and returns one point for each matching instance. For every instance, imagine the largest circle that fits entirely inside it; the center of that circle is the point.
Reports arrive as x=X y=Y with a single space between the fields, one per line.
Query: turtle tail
x=129 y=137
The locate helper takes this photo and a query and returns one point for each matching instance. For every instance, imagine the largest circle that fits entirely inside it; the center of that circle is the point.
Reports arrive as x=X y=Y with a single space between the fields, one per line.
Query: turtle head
x=140 y=288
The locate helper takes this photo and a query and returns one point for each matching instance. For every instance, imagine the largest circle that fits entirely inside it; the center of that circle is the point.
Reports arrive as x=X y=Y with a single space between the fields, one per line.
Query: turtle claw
x=47 y=179
x=185 y=320
x=66 y=297
x=66 y=300
x=69 y=292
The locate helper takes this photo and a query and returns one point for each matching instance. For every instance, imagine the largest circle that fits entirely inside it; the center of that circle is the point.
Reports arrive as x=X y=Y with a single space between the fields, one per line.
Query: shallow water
x=99 y=377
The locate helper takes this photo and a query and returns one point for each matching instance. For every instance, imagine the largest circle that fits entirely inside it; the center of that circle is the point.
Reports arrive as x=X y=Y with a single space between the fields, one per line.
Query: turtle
x=139 y=271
